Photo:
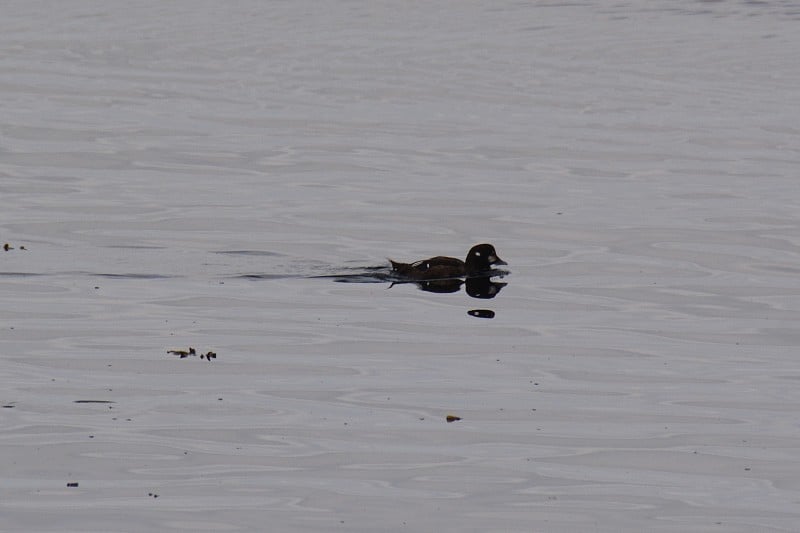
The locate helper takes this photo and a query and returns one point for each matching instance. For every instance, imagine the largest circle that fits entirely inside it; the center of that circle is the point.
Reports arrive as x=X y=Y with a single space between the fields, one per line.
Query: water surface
x=201 y=173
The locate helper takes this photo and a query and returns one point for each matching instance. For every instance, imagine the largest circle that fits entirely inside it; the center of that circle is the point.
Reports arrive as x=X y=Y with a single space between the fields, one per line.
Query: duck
x=481 y=258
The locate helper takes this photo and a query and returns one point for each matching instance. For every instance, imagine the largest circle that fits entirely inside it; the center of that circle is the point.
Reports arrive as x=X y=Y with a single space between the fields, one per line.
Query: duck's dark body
x=480 y=260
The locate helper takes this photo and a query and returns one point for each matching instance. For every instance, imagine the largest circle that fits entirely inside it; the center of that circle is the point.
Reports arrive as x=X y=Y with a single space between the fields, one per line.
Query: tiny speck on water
x=72 y=484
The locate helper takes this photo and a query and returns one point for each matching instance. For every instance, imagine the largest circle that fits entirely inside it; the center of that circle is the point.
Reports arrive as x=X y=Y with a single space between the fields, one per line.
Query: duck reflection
x=483 y=287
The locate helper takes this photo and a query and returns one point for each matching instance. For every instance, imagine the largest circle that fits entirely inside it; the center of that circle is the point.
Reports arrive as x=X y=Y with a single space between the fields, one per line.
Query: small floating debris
x=72 y=484
x=8 y=247
x=183 y=353
x=481 y=313
x=93 y=401
x=452 y=418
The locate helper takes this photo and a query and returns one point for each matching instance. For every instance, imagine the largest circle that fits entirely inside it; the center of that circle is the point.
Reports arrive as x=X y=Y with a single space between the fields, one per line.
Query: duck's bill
x=494 y=260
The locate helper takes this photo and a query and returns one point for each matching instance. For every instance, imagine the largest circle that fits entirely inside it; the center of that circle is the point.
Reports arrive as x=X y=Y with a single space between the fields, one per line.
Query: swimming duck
x=480 y=260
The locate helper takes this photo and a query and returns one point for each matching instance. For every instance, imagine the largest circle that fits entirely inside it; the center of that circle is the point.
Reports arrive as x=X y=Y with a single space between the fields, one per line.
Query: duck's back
x=434 y=268
x=442 y=261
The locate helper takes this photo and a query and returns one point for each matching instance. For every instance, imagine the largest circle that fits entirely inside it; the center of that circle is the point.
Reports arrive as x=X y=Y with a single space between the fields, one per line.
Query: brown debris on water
x=183 y=354
x=452 y=418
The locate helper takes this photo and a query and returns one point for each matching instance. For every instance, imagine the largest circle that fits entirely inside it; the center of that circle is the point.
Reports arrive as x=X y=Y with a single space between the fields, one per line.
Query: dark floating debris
x=93 y=401
x=183 y=354
x=8 y=247
x=452 y=418
x=72 y=484
x=152 y=495
x=481 y=313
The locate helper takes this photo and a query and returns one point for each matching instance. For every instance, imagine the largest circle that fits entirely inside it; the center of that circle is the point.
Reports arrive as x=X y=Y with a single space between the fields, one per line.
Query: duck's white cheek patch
x=478 y=254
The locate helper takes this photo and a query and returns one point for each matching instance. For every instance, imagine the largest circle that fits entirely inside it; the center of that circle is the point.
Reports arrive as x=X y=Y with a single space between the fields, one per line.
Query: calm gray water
x=179 y=173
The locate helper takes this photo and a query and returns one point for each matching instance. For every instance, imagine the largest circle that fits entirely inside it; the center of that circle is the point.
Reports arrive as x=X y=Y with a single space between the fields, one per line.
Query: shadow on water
x=482 y=287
